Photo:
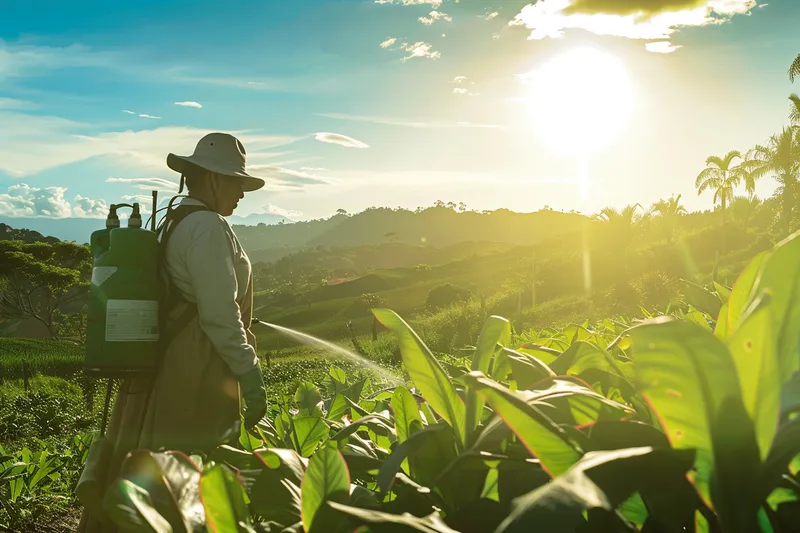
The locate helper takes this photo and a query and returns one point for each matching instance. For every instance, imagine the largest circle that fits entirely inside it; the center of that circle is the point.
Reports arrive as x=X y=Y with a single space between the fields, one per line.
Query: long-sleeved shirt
x=209 y=266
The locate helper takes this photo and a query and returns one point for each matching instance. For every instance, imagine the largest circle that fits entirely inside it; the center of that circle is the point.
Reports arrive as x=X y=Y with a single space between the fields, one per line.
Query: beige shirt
x=209 y=266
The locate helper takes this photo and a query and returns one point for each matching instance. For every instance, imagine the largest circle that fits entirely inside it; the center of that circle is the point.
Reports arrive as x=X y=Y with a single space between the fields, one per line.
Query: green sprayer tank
x=122 y=316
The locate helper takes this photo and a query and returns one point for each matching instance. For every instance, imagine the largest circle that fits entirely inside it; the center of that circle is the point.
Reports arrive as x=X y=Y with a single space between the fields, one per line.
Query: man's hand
x=254 y=393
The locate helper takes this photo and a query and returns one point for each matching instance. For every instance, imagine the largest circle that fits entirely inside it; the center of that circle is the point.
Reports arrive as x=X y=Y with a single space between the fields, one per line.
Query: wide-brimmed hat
x=220 y=153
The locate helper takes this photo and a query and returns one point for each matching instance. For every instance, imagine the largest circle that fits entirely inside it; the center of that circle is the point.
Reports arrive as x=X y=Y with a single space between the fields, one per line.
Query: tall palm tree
x=668 y=211
x=781 y=158
x=794 y=69
x=722 y=177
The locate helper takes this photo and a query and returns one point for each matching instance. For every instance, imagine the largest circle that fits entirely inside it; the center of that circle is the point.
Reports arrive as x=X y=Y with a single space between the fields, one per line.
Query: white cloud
x=490 y=16
x=342 y=140
x=275 y=210
x=38 y=143
x=433 y=16
x=89 y=208
x=189 y=104
x=434 y=3
x=459 y=79
x=22 y=200
x=661 y=47
x=142 y=115
x=388 y=42
x=313 y=169
x=461 y=90
x=281 y=178
x=632 y=19
x=419 y=49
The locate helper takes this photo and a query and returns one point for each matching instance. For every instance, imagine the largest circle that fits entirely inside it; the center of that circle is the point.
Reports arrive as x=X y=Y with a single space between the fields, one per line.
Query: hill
x=435 y=226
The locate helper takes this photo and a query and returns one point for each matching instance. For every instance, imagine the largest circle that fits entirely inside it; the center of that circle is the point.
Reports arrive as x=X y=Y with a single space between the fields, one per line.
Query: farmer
x=208 y=352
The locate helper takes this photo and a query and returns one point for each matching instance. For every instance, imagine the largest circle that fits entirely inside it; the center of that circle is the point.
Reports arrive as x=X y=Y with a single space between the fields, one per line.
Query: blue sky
x=94 y=95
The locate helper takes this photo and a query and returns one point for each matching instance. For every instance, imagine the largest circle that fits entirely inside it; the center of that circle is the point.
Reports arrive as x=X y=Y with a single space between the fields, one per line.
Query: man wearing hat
x=209 y=361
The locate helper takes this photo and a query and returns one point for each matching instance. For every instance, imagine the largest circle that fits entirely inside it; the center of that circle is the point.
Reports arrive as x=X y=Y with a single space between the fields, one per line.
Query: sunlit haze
x=571 y=104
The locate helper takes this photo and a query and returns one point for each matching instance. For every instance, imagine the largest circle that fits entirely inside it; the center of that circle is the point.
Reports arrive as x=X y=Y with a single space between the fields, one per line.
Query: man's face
x=228 y=193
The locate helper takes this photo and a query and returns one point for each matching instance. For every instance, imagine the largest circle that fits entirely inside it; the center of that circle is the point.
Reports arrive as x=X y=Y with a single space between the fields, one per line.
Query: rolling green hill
x=436 y=226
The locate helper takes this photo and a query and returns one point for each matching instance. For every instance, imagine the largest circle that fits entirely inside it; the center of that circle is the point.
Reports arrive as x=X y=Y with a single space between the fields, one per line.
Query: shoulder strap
x=171 y=296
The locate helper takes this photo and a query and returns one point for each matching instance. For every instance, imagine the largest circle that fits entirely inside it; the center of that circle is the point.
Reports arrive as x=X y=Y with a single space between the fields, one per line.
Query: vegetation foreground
x=686 y=422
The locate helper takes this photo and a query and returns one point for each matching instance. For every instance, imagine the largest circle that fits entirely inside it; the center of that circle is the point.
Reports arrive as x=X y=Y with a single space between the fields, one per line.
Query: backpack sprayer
x=122 y=330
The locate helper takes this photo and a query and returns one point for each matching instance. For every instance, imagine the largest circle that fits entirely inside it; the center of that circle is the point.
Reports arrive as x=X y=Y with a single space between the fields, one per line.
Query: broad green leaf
x=490 y=486
x=526 y=369
x=224 y=501
x=790 y=397
x=568 y=400
x=495 y=330
x=376 y=421
x=723 y=292
x=634 y=509
x=721 y=329
x=685 y=373
x=143 y=468
x=309 y=432
x=540 y=435
x=582 y=356
x=407 y=419
x=759 y=375
x=600 y=480
x=742 y=291
x=308 y=399
x=701 y=299
x=780 y=277
x=737 y=465
x=326 y=479
x=131 y=509
x=426 y=373
x=380 y=522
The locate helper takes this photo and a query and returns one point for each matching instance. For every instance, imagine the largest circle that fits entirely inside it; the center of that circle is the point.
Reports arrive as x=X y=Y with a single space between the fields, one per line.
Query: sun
x=579 y=100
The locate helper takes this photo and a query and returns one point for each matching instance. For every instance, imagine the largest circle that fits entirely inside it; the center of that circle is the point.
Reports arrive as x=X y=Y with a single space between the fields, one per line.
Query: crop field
x=687 y=421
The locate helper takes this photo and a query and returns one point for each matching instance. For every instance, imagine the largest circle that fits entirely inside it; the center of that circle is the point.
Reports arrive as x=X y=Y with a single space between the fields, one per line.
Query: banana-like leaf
x=496 y=330
x=380 y=522
x=407 y=419
x=600 y=480
x=700 y=298
x=130 y=507
x=526 y=369
x=756 y=361
x=540 y=435
x=426 y=373
x=327 y=479
x=685 y=374
x=224 y=501
x=743 y=291
x=582 y=356
x=309 y=431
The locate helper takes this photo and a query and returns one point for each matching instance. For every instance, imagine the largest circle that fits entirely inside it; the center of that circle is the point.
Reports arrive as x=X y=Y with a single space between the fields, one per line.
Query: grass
x=57 y=358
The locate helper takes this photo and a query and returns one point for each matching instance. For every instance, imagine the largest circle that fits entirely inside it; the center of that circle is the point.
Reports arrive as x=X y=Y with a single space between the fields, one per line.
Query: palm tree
x=781 y=158
x=722 y=176
x=794 y=69
x=622 y=223
x=743 y=208
x=668 y=211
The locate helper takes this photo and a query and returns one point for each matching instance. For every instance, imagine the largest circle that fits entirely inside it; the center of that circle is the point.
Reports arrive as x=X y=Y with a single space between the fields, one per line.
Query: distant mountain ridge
x=435 y=226
x=80 y=229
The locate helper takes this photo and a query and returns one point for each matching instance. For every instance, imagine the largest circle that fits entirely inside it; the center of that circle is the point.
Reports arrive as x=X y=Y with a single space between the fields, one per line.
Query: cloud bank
x=22 y=200
x=189 y=104
x=341 y=140
x=632 y=19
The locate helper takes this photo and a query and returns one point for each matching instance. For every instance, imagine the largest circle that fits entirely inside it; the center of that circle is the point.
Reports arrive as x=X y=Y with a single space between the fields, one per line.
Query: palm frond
x=706 y=177
x=794 y=109
x=794 y=69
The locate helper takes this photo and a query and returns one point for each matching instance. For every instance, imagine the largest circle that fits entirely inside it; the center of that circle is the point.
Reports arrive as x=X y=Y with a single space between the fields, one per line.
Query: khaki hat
x=220 y=153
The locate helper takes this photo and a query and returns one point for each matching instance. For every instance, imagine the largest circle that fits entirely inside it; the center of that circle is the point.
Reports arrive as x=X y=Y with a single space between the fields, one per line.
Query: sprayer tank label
x=131 y=320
